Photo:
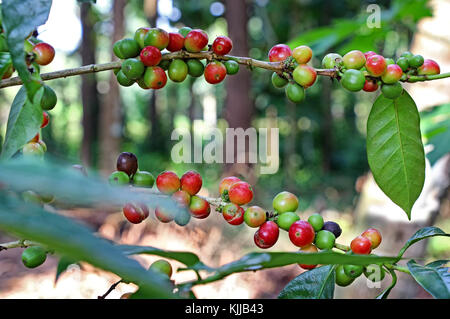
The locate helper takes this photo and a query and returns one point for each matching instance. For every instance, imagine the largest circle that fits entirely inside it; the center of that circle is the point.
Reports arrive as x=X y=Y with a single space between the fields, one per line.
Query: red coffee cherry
x=279 y=52
x=168 y=182
x=135 y=213
x=369 y=54
x=222 y=45
x=308 y=249
x=302 y=54
x=255 y=216
x=35 y=139
x=191 y=182
x=361 y=245
x=195 y=40
x=304 y=75
x=164 y=215
x=354 y=60
x=267 y=235
x=429 y=67
x=154 y=78
x=199 y=207
x=392 y=75
x=127 y=162
x=150 y=56
x=240 y=193
x=45 y=119
x=376 y=65
x=233 y=214
x=301 y=233
x=225 y=185
x=374 y=236
x=182 y=198
x=176 y=42
x=370 y=86
x=43 y=53
x=215 y=72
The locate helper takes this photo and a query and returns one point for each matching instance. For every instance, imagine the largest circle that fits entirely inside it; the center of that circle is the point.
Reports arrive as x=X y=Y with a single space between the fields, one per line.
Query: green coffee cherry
x=353 y=271
x=49 y=98
x=163 y=267
x=316 y=221
x=416 y=61
x=195 y=67
x=143 y=179
x=232 y=67
x=133 y=68
x=295 y=93
x=126 y=48
x=353 y=80
x=178 y=70
x=286 y=219
x=278 y=81
x=325 y=240
x=34 y=256
x=392 y=91
x=341 y=277
x=119 y=178
x=123 y=80
x=403 y=63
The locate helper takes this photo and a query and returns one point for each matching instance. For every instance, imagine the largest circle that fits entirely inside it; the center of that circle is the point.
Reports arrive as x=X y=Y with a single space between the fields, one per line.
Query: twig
x=113 y=286
x=17 y=244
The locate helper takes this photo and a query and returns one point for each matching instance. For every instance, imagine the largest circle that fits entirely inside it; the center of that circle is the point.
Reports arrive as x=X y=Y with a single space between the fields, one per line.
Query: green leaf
x=24 y=121
x=317 y=283
x=5 y=62
x=63 y=264
x=20 y=18
x=395 y=151
x=434 y=278
x=422 y=233
x=435 y=127
x=75 y=241
x=386 y=293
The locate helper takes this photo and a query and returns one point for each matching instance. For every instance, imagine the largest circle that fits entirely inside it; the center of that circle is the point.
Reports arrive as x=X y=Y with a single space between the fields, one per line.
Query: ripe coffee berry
x=195 y=40
x=233 y=214
x=325 y=240
x=285 y=220
x=376 y=65
x=127 y=162
x=199 y=207
x=302 y=54
x=267 y=235
x=333 y=227
x=374 y=236
x=354 y=60
x=429 y=67
x=118 y=178
x=164 y=215
x=222 y=45
x=135 y=213
x=191 y=182
x=182 y=198
x=370 y=86
x=45 y=119
x=301 y=233
x=254 y=216
x=215 y=72
x=304 y=75
x=308 y=249
x=393 y=74
x=285 y=202
x=150 y=56
x=316 y=221
x=279 y=52
x=154 y=78
x=225 y=185
x=361 y=245
x=44 y=53
x=176 y=42
x=163 y=267
x=240 y=193
x=369 y=54
x=168 y=182
x=156 y=37
x=143 y=179
x=33 y=256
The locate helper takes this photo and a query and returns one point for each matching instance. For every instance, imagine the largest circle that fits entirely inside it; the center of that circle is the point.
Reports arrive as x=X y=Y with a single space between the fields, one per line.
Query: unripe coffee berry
x=278 y=81
x=316 y=221
x=304 y=75
x=164 y=215
x=325 y=240
x=168 y=182
x=295 y=92
x=285 y=202
x=191 y=182
x=255 y=216
x=33 y=149
x=119 y=178
x=361 y=245
x=393 y=74
x=178 y=70
x=199 y=207
x=267 y=235
x=143 y=179
x=308 y=249
x=127 y=162
x=353 y=80
x=195 y=68
x=139 y=37
x=33 y=256
x=331 y=60
x=233 y=214
x=392 y=91
x=354 y=60
x=301 y=233
x=240 y=193
x=156 y=37
x=353 y=271
x=302 y=54
x=135 y=213
x=416 y=61
x=286 y=220
x=222 y=45
x=163 y=267
x=341 y=277
x=374 y=236
x=232 y=67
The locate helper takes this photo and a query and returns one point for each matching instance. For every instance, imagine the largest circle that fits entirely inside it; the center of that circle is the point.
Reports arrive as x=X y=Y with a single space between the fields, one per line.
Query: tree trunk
x=238 y=105
x=89 y=95
x=111 y=117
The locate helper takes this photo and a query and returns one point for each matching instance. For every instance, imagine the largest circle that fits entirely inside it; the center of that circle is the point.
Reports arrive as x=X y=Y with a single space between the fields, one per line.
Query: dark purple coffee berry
x=332 y=227
x=127 y=162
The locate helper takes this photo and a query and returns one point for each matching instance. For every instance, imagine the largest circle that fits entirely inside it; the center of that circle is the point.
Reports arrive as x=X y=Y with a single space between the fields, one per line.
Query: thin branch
x=113 y=286
x=17 y=244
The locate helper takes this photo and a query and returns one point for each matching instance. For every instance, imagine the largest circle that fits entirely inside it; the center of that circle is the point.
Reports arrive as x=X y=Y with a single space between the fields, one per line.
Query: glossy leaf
x=386 y=293
x=422 y=233
x=24 y=121
x=20 y=18
x=395 y=151
x=317 y=283
x=434 y=278
x=5 y=62
x=435 y=127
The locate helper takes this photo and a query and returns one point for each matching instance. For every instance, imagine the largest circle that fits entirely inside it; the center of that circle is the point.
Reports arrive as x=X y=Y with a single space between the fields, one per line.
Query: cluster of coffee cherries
x=144 y=63
x=357 y=70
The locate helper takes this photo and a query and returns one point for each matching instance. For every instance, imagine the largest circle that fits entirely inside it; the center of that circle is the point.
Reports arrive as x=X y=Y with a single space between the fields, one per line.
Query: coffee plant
x=29 y=186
